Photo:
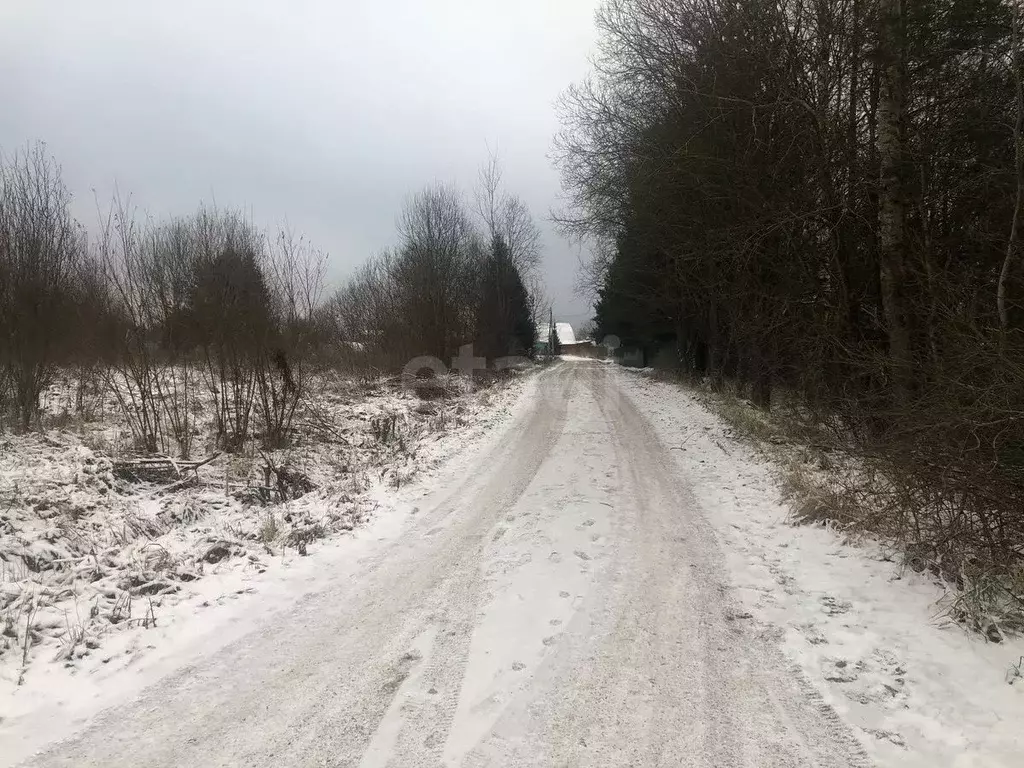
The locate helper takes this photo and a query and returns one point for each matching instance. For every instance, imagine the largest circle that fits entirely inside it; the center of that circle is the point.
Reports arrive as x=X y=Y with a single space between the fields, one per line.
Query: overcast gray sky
x=327 y=114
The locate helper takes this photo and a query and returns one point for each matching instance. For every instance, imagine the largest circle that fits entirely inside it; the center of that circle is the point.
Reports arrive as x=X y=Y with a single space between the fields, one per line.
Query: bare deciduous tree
x=285 y=363
x=506 y=216
x=823 y=197
x=41 y=248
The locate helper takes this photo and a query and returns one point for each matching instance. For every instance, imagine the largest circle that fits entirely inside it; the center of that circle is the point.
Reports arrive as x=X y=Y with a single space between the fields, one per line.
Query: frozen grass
x=825 y=484
x=85 y=552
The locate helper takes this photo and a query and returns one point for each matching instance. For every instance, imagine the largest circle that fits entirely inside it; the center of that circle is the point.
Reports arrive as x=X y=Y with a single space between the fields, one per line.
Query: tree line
x=461 y=274
x=822 y=201
x=208 y=311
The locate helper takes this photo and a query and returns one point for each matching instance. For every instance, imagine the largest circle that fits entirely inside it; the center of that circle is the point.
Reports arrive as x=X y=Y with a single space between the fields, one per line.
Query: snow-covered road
x=559 y=599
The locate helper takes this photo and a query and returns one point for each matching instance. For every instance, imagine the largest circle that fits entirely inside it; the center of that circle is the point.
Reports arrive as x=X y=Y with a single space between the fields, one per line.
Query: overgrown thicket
x=42 y=255
x=163 y=316
x=458 y=276
x=207 y=321
x=207 y=302
x=824 y=199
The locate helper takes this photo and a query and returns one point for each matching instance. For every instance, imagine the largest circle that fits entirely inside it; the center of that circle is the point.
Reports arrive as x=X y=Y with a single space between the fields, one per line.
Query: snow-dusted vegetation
x=96 y=542
x=185 y=396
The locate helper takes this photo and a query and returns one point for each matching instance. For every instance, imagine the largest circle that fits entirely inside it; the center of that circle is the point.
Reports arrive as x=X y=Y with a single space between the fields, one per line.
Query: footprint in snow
x=731 y=615
x=834 y=607
x=581 y=554
x=839 y=671
x=812 y=634
x=890 y=736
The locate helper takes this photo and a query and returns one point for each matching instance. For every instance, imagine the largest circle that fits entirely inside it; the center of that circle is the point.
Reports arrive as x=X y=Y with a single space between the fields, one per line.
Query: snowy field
x=103 y=573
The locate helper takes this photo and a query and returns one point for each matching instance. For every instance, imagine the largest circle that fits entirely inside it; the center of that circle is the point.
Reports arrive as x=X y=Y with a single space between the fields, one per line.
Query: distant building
x=566 y=335
x=564 y=331
x=567 y=342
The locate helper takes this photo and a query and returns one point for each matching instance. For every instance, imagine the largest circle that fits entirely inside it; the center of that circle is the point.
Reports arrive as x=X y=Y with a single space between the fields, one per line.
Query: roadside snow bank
x=921 y=691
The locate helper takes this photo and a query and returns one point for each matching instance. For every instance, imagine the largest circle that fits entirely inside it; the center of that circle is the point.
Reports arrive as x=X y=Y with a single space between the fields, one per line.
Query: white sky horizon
x=327 y=115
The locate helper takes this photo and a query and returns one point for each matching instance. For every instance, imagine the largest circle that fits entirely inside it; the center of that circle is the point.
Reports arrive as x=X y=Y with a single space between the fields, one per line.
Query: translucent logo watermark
x=465 y=363
x=425 y=373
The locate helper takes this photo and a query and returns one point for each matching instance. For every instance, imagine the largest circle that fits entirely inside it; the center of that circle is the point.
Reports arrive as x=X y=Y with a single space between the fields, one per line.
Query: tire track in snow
x=426 y=716
x=657 y=668
x=820 y=736
x=649 y=665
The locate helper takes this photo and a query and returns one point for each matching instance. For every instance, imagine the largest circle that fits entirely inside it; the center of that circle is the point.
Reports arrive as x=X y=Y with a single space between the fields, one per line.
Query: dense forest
x=819 y=202
x=157 y=312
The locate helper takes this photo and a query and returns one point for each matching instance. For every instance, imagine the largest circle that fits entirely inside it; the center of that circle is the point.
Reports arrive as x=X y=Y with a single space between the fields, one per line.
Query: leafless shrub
x=205 y=300
x=301 y=536
x=285 y=364
x=231 y=317
x=818 y=498
x=990 y=602
x=134 y=373
x=96 y=340
x=41 y=248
